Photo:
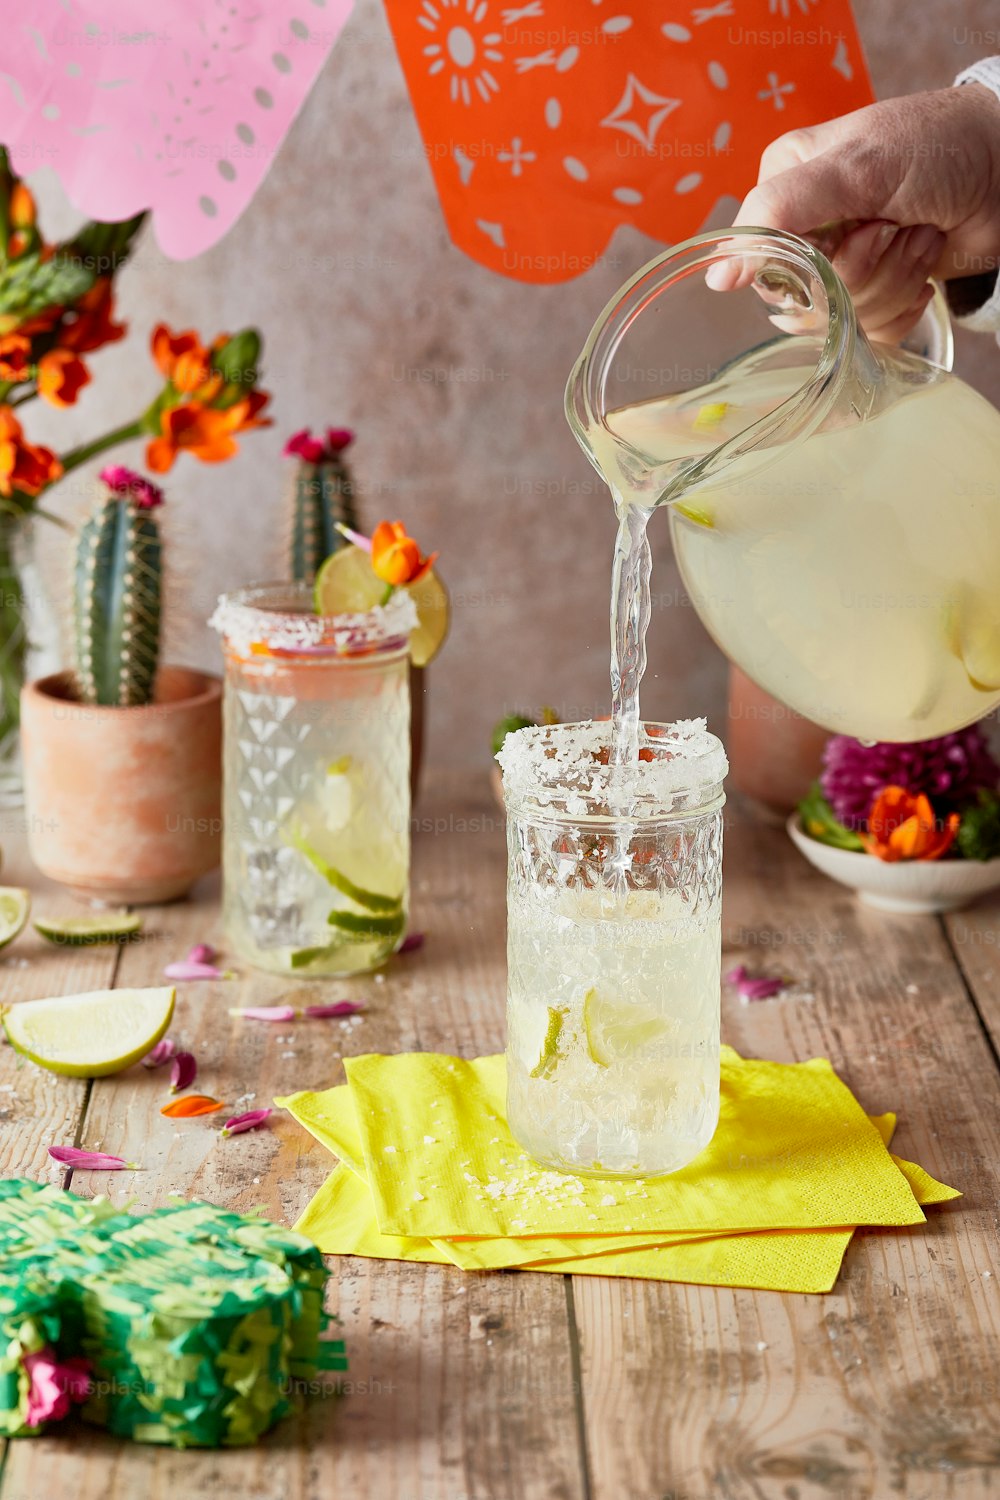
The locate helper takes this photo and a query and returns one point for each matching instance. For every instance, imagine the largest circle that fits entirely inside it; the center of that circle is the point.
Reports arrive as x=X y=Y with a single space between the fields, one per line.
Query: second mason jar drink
x=613 y=947
x=317 y=780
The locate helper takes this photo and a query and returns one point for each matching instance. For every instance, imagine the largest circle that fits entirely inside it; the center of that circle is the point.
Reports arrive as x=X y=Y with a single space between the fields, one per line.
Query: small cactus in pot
x=117 y=593
x=321 y=500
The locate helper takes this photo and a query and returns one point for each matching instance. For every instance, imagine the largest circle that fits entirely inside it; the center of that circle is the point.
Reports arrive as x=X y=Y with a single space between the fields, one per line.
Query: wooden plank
x=460 y=1387
x=887 y=1386
x=974 y=935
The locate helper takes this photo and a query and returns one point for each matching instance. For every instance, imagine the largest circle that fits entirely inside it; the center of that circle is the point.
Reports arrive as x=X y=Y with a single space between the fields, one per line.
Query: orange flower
x=23 y=466
x=15 y=357
x=92 y=323
x=182 y=358
x=396 y=558
x=902 y=826
x=205 y=431
x=22 y=207
x=61 y=376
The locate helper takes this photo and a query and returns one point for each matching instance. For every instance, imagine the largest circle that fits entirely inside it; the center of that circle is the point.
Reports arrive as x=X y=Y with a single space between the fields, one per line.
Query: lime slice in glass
x=362 y=927
x=346 y=584
x=100 y=927
x=89 y=1036
x=373 y=901
x=616 y=1030
x=15 y=904
x=550 y=1054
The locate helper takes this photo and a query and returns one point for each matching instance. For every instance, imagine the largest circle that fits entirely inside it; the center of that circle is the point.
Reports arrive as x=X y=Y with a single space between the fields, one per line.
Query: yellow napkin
x=466 y=1102
x=793 y=1150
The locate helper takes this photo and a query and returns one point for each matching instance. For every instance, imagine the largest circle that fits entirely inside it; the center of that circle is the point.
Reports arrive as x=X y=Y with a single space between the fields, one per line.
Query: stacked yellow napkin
x=430 y=1172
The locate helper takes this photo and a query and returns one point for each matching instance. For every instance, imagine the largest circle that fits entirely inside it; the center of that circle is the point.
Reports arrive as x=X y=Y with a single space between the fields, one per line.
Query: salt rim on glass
x=279 y=616
x=563 y=769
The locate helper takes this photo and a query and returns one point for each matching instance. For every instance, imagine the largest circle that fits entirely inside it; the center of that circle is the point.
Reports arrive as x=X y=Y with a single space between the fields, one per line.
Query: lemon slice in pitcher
x=15 y=904
x=346 y=584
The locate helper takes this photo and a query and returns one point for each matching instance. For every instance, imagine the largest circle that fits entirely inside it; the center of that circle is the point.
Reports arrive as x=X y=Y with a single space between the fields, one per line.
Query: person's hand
x=894 y=193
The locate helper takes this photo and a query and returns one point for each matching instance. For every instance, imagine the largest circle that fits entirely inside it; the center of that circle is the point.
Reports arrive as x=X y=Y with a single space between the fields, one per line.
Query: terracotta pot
x=774 y=753
x=124 y=804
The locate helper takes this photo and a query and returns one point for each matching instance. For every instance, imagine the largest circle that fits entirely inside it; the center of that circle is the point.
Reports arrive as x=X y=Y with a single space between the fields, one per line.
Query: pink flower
x=123 y=481
x=53 y=1386
x=252 y=1120
x=313 y=449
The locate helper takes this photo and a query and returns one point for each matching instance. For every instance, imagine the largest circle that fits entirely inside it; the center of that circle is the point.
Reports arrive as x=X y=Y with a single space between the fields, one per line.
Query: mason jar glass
x=316 y=780
x=613 y=946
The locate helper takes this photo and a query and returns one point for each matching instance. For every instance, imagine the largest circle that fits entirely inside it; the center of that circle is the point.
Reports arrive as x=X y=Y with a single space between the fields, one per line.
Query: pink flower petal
x=760 y=989
x=161 y=1053
x=53 y=1385
x=339 y=1008
x=266 y=1013
x=737 y=975
x=411 y=942
x=183 y=1071
x=185 y=969
x=90 y=1161
x=202 y=953
x=252 y=1120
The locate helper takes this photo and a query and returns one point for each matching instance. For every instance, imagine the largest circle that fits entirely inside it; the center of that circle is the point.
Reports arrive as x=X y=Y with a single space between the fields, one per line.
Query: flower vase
x=29 y=642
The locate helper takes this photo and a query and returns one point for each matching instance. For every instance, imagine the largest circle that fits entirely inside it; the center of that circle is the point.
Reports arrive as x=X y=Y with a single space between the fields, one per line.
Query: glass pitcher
x=834 y=504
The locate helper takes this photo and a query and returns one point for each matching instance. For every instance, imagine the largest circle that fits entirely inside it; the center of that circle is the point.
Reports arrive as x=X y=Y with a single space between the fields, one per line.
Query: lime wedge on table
x=550 y=1054
x=15 y=905
x=100 y=927
x=89 y=1036
x=370 y=900
x=346 y=584
x=617 y=1030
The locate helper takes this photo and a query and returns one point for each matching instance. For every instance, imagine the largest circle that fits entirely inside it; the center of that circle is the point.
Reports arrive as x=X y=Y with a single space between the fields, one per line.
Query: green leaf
x=28 y=285
x=978 y=834
x=508 y=725
x=819 y=822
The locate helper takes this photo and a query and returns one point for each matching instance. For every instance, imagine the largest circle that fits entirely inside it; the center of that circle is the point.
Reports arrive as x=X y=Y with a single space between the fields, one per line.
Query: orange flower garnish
x=23 y=466
x=205 y=431
x=189 y=1105
x=92 y=323
x=15 y=356
x=396 y=558
x=902 y=826
x=61 y=376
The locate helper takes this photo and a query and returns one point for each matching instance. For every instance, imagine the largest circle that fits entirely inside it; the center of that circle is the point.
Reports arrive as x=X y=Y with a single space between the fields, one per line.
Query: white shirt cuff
x=986 y=318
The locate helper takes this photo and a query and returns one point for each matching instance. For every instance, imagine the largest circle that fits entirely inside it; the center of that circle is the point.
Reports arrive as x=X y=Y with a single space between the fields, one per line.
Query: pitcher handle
x=933 y=338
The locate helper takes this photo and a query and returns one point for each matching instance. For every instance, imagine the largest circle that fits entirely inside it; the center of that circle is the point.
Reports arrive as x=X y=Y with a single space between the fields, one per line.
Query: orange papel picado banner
x=548 y=123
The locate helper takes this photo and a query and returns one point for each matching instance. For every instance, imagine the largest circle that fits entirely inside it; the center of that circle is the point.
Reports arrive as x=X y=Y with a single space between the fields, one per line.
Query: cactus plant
x=321 y=499
x=117 y=593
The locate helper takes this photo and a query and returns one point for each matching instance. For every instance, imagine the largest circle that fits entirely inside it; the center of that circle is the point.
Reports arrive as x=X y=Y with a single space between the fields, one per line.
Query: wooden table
x=523 y=1386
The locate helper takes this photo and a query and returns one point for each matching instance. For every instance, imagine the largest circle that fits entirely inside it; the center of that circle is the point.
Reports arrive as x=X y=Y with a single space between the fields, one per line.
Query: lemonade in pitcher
x=834 y=506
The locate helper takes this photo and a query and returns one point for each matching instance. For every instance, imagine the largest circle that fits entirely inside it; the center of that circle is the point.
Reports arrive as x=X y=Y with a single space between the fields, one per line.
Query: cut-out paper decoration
x=177 y=108
x=186 y=1325
x=547 y=123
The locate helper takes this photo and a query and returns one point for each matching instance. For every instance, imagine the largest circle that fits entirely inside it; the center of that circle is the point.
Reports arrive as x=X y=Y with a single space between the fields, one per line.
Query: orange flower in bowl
x=396 y=558
x=902 y=826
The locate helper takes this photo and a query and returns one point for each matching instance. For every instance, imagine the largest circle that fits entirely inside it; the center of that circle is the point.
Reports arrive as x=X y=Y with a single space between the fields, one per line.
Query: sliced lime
x=550 y=1054
x=15 y=904
x=347 y=584
x=304 y=958
x=360 y=927
x=91 y=1035
x=370 y=900
x=617 y=1030
x=101 y=927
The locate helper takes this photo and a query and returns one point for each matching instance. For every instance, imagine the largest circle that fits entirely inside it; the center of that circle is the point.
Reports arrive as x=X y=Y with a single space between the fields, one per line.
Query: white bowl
x=913 y=886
